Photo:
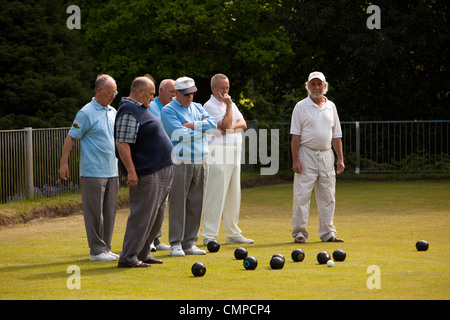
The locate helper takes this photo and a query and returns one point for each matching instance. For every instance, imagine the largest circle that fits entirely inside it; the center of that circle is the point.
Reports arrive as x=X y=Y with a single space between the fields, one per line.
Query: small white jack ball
x=330 y=263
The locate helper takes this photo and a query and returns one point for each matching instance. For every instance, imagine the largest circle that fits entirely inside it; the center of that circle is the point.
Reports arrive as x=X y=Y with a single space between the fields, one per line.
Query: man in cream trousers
x=315 y=127
x=223 y=190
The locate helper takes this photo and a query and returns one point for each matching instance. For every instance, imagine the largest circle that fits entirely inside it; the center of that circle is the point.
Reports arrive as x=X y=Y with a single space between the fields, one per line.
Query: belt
x=317 y=151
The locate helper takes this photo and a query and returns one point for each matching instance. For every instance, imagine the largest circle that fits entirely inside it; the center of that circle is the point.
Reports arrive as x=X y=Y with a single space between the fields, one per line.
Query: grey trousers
x=186 y=203
x=148 y=203
x=99 y=210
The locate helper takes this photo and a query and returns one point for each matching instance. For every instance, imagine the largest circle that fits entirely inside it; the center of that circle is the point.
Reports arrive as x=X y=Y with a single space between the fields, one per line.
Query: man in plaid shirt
x=145 y=157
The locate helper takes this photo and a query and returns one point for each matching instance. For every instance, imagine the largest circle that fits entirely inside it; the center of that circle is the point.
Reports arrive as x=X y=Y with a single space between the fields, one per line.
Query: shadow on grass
x=87 y=267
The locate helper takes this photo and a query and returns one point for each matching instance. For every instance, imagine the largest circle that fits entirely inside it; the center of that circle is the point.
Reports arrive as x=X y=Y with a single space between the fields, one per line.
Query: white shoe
x=207 y=240
x=240 y=239
x=152 y=248
x=161 y=246
x=102 y=257
x=113 y=254
x=194 y=251
x=176 y=251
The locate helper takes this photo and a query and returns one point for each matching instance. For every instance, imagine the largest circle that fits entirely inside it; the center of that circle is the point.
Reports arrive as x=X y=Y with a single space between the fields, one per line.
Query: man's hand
x=189 y=125
x=132 y=179
x=64 y=171
x=225 y=98
x=340 y=166
x=125 y=155
x=297 y=167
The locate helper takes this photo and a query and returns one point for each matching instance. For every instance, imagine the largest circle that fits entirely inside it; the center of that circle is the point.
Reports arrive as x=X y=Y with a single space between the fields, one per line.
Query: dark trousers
x=148 y=203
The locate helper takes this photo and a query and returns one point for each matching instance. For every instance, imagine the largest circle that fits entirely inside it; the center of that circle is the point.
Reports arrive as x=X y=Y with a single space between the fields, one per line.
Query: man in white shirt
x=223 y=189
x=315 y=127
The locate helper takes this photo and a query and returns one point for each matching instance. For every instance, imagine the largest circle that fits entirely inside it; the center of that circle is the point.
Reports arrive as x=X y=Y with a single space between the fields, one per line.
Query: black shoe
x=138 y=264
x=152 y=260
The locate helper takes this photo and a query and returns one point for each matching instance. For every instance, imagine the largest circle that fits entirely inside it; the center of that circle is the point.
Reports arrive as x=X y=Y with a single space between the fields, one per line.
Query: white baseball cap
x=316 y=74
x=185 y=85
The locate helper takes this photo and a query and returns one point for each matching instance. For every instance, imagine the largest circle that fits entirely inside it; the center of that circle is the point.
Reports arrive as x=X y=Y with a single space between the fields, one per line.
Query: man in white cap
x=186 y=123
x=315 y=128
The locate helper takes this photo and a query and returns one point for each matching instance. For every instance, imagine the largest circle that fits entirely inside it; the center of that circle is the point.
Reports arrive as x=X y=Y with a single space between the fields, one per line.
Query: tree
x=170 y=39
x=46 y=75
x=398 y=72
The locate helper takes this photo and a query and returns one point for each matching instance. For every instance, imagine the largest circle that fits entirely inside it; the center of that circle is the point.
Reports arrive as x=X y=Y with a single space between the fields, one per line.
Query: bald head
x=142 y=90
x=166 y=91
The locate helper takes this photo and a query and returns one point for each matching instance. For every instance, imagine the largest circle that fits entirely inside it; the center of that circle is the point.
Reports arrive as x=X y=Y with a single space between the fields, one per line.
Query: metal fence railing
x=384 y=146
x=29 y=164
x=29 y=158
x=397 y=146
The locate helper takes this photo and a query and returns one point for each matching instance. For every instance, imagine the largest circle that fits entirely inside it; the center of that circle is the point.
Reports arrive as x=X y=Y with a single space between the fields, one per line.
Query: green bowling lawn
x=379 y=221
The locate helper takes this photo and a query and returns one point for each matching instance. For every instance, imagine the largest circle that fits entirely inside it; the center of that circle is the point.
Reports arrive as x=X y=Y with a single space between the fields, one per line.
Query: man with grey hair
x=94 y=127
x=223 y=189
x=145 y=158
x=166 y=92
x=315 y=128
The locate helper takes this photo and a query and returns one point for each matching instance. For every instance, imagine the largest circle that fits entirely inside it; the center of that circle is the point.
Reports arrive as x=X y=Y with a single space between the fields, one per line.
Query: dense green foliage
x=45 y=72
x=267 y=48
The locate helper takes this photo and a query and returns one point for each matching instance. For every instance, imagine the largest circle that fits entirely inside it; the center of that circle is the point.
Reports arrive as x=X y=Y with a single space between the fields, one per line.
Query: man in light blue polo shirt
x=94 y=127
x=165 y=95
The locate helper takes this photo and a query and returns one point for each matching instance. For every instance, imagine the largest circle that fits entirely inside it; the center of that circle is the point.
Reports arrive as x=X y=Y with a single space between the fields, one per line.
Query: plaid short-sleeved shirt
x=126 y=125
x=126 y=128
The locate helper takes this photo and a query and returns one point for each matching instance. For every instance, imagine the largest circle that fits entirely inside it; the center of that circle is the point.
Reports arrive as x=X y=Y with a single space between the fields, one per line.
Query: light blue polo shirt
x=94 y=127
x=156 y=107
x=189 y=145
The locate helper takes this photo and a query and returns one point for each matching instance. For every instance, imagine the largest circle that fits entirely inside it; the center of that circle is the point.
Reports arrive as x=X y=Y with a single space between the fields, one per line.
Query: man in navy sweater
x=145 y=157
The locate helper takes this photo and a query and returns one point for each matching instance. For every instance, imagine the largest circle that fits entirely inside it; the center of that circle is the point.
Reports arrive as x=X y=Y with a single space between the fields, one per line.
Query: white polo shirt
x=316 y=126
x=217 y=109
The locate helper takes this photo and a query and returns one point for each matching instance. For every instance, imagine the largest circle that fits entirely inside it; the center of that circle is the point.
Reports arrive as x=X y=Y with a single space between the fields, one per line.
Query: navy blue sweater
x=152 y=150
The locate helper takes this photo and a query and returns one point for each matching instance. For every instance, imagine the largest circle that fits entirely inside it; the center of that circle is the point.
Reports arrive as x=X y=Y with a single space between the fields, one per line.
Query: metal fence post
x=358 y=148
x=29 y=163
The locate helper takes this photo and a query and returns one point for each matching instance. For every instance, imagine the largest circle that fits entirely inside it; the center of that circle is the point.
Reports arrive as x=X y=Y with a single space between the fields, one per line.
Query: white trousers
x=223 y=191
x=318 y=173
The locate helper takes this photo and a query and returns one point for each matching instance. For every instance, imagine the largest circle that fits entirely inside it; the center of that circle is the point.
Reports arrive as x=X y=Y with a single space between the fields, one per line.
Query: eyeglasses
x=188 y=94
x=110 y=93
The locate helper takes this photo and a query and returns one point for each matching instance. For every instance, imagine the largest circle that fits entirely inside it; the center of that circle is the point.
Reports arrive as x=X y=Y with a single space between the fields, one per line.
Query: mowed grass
x=380 y=222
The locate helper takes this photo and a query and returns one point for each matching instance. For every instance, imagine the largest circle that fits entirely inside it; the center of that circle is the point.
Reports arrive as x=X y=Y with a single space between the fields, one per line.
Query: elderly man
x=165 y=95
x=186 y=123
x=94 y=127
x=145 y=158
x=315 y=127
x=223 y=191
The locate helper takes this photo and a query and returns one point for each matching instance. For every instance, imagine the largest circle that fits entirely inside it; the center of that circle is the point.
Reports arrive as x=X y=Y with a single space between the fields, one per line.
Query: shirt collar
x=98 y=105
x=129 y=100
x=310 y=102
x=158 y=103
x=215 y=100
